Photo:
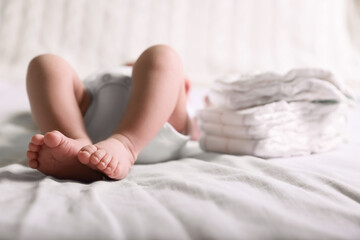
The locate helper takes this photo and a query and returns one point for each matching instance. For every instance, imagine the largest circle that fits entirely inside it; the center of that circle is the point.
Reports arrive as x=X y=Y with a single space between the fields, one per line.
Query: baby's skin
x=113 y=156
x=57 y=155
x=59 y=100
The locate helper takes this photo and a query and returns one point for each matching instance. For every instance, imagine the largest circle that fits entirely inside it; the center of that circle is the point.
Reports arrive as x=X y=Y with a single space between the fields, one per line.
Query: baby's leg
x=57 y=99
x=158 y=95
x=57 y=96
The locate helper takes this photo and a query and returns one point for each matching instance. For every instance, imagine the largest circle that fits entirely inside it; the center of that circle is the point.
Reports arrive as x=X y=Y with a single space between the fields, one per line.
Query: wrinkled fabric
x=272 y=115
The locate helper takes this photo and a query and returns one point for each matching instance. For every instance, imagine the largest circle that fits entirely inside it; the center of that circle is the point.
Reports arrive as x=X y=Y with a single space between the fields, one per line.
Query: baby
x=100 y=128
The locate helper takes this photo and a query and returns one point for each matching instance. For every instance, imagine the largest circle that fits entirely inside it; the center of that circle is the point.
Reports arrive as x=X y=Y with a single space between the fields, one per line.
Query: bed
x=202 y=195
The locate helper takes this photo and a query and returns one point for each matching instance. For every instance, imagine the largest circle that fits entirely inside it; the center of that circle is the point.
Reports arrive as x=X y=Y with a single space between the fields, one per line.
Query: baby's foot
x=56 y=155
x=112 y=156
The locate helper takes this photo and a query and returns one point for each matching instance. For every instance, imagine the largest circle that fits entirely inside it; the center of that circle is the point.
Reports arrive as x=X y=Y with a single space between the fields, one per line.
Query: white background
x=213 y=37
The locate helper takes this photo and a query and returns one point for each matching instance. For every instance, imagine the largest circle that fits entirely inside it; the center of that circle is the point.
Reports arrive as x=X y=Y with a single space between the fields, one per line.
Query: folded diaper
x=283 y=124
x=277 y=112
x=243 y=91
x=270 y=115
x=269 y=147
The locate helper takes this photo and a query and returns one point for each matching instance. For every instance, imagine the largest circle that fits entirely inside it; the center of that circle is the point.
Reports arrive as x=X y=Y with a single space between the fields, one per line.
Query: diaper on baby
x=110 y=93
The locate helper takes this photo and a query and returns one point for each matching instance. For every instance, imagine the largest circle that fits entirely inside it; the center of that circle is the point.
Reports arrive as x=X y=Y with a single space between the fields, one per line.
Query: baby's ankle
x=128 y=143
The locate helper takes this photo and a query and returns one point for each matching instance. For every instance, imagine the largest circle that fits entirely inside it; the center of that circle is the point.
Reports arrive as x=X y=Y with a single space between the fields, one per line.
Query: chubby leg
x=158 y=95
x=57 y=99
x=57 y=96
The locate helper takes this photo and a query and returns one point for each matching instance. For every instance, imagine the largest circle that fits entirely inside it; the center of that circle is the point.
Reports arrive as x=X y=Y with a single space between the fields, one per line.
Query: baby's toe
x=31 y=155
x=97 y=156
x=37 y=139
x=33 y=147
x=33 y=163
x=104 y=162
x=111 y=167
x=53 y=139
x=85 y=153
x=117 y=173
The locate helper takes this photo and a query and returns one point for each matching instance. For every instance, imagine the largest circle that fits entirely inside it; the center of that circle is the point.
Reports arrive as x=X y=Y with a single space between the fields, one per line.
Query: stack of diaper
x=272 y=115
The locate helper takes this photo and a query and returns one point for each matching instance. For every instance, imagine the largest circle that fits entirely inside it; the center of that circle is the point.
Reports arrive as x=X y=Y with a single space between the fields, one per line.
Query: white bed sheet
x=201 y=196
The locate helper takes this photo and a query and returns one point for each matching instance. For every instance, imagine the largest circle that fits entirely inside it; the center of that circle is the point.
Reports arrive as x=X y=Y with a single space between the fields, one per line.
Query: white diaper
x=110 y=92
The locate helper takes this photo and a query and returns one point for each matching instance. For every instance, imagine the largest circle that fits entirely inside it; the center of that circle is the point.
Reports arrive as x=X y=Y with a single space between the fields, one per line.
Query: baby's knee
x=46 y=67
x=43 y=60
x=162 y=57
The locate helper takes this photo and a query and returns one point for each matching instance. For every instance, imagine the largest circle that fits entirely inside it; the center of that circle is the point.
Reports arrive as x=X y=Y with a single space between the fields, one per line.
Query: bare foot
x=112 y=156
x=56 y=155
